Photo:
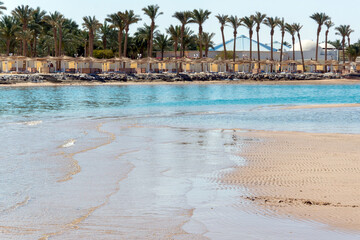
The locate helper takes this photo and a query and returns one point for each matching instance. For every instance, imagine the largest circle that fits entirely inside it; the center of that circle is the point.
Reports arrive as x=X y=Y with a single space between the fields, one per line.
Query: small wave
x=32 y=123
x=29 y=123
x=68 y=143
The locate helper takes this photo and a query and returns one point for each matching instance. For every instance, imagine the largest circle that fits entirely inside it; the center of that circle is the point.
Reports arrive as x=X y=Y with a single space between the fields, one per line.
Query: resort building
x=309 y=51
x=242 y=50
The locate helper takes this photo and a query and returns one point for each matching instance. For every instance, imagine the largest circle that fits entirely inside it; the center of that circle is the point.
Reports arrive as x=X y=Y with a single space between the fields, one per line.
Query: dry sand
x=306 y=175
x=243 y=82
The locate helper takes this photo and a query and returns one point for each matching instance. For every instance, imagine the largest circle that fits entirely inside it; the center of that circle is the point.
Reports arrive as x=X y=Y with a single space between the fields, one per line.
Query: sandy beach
x=242 y=82
x=323 y=106
x=306 y=175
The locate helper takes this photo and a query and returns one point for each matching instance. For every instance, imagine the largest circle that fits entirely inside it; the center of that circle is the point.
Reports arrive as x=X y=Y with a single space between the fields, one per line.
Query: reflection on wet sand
x=149 y=182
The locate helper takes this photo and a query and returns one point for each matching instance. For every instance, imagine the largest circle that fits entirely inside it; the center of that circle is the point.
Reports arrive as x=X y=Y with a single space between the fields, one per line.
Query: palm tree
x=60 y=25
x=208 y=41
x=84 y=38
x=297 y=27
x=162 y=42
x=175 y=34
x=184 y=18
x=353 y=51
x=142 y=36
x=105 y=31
x=23 y=14
x=52 y=19
x=349 y=31
x=191 y=41
x=2 y=8
x=329 y=24
x=129 y=18
x=290 y=29
x=249 y=23
x=272 y=23
x=342 y=30
x=282 y=25
x=116 y=21
x=258 y=18
x=70 y=37
x=36 y=25
x=320 y=19
x=337 y=44
x=152 y=11
x=24 y=36
x=92 y=25
x=199 y=17
x=223 y=20
x=235 y=23
x=8 y=28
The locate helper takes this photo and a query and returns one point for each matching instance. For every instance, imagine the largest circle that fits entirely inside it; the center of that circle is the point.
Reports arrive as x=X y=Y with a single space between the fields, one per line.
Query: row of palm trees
x=35 y=22
x=256 y=20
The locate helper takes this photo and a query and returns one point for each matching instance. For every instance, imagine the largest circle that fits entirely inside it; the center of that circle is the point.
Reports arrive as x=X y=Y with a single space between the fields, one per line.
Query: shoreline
x=160 y=82
x=309 y=176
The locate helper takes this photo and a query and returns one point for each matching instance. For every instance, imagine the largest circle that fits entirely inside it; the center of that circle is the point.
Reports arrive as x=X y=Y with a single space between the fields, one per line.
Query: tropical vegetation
x=33 y=32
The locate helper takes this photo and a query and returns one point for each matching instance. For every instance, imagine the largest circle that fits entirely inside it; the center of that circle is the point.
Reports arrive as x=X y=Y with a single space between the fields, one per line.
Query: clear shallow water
x=140 y=161
x=211 y=106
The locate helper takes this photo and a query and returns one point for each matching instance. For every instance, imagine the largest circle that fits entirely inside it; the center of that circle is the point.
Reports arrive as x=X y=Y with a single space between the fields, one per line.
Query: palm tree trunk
x=91 y=44
x=31 y=48
x=350 y=58
x=293 y=43
x=60 y=41
x=55 y=41
x=200 y=41
x=151 y=38
x=223 y=39
x=7 y=47
x=282 y=48
x=272 y=46
x=182 y=41
x=120 y=36
x=343 y=50
x=234 y=54
x=175 y=52
x=24 y=48
x=326 y=40
x=175 y=48
x=35 y=48
x=258 y=46
x=126 y=41
x=24 y=41
x=302 y=54
x=317 y=43
x=104 y=42
x=250 y=64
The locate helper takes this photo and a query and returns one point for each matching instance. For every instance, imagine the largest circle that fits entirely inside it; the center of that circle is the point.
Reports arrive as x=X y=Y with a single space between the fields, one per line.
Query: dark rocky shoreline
x=156 y=77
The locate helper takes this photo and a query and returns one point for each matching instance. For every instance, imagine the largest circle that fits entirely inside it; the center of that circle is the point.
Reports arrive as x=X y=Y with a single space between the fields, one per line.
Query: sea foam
x=68 y=143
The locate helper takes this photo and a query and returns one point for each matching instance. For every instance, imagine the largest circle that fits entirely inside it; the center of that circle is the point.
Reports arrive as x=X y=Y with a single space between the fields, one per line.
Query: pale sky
x=341 y=13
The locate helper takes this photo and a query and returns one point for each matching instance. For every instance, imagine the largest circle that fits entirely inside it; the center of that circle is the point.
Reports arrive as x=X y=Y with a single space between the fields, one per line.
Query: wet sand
x=244 y=82
x=305 y=175
x=323 y=106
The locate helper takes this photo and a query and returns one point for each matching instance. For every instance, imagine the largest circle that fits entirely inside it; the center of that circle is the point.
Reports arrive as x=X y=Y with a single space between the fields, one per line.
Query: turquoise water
x=144 y=162
x=210 y=106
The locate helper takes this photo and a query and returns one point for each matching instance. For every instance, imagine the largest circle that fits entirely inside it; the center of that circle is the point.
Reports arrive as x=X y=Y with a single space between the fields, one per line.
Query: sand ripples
x=310 y=176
